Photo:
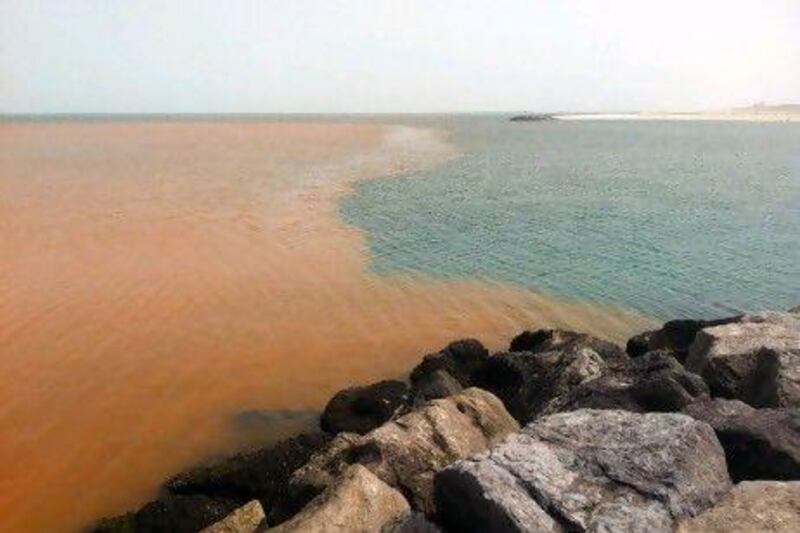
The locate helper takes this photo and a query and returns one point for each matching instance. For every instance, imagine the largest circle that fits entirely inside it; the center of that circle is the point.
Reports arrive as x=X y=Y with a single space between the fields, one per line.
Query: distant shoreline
x=777 y=113
x=729 y=116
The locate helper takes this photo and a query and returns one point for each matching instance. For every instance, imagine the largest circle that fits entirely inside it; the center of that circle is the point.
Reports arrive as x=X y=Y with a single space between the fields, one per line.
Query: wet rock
x=639 y=344
x=758 y=443
x=549 y=340
x=675 y=335
x=438 y=384
x=362 y=409
x=654 y=382
x=763 y=506
x=356 y=501
x=407 y=452
x=726 y=355
x=527 y=382
x=775 y=380
x=324 y=466
x=461 y=359
x=245 y=519
x=261 y=475
x=171 y=512
x=587 y=470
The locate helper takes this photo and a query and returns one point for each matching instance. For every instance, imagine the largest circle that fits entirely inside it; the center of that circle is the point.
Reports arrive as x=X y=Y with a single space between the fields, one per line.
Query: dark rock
x=262 y=474
x=725 y=355
x=461 y=359
x=639 y=344
x=587 y=470
x=675 y=335
x=758 y=443
x=171 y=512
x=438 y=384
x=362 y=409
x=549 y=340
x=654 y=382
x=527 y=382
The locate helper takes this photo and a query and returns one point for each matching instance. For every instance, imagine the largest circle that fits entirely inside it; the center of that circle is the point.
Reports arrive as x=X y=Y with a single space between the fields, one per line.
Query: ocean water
x=669 y=218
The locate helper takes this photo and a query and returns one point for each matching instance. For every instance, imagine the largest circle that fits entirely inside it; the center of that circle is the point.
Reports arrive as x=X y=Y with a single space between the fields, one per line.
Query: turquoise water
x=672 y=219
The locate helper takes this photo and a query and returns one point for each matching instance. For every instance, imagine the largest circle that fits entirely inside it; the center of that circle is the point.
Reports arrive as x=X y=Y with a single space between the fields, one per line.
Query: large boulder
x=356 y=501
x=726 y=355
x=171 y=512
x=407 y=452
x=775 y=380
x=362 y=409
x=758 y=443
x=587 y=470
x=549 y=340
x=655 y=381
x=676 y=336
x=528 y=382
x=246 y=519
x=461 y=359
x=261 y=475
x=752 y=506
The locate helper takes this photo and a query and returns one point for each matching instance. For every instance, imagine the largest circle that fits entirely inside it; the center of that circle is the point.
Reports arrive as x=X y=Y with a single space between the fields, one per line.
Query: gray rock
x=356 y=501
x=726 y=355
x=587 y=470
x=245 y=519
x=528 y=382
x=775 y=380
x=655 y=381
x=763 y=506
x=758 y=443
x=407 y=452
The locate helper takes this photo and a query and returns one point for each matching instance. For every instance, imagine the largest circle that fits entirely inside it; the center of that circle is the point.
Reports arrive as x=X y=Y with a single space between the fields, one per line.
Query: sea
x=669 y=218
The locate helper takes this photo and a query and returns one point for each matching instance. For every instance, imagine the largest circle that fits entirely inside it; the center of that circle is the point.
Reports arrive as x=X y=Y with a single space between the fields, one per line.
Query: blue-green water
x=669 y=218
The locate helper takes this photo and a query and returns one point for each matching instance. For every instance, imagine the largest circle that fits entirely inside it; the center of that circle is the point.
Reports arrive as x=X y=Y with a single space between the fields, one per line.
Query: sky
x=329 y=56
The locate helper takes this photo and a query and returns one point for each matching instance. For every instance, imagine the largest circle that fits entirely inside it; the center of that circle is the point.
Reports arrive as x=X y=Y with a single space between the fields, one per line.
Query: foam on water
x=668 y=218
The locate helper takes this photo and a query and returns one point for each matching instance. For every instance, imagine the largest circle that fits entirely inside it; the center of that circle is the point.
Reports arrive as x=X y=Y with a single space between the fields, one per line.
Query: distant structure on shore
x=531 y=117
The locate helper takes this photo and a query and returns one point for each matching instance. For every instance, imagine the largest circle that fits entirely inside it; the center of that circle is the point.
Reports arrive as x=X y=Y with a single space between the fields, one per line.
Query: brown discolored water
x=158 y=278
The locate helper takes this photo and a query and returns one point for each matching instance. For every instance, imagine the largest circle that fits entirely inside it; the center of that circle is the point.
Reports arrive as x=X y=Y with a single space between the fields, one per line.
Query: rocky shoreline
x=692 y=427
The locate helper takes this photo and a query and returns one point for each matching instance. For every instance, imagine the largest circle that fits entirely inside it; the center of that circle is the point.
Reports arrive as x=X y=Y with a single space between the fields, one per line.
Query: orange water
x=157 y=278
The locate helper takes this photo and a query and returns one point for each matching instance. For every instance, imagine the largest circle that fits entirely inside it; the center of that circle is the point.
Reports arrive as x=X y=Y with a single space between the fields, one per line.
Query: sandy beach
x=160 y=278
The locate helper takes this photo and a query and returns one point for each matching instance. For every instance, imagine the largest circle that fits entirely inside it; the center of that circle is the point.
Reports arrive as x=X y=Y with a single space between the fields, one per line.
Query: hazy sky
x=385 y=55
